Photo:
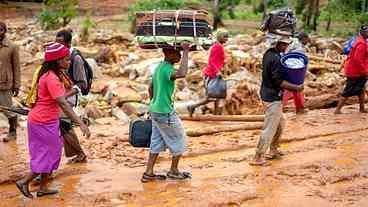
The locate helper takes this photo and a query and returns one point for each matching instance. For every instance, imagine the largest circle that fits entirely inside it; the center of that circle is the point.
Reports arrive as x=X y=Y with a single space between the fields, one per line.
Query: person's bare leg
x=341 y=103
x=192 y=108
x=217 y=107
x=44 y=190
x=23 y=185
x=362 y=103
x=174 y=164
x=151 y=163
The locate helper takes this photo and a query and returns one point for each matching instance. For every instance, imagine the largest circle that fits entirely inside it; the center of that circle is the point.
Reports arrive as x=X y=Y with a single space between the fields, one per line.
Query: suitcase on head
x=140 y=131
x=165 y=28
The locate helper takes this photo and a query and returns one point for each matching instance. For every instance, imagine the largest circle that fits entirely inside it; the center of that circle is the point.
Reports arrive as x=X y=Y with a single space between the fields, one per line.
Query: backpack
x=87 y=68
x=349 y=45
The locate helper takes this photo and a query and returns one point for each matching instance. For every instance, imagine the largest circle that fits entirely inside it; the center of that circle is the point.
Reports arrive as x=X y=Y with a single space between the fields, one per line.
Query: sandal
x=149 y=178
x=276 y=156
x=78 y=159
x=47 y=192
x=179 y=175
x=259 y=163
x=23 y=188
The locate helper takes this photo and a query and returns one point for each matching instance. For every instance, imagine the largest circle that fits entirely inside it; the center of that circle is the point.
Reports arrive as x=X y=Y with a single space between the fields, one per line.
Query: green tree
x=219 y=8
x=57 y=13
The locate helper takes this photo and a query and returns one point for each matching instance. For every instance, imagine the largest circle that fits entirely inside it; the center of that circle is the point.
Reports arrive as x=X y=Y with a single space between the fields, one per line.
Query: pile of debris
x=123 y=72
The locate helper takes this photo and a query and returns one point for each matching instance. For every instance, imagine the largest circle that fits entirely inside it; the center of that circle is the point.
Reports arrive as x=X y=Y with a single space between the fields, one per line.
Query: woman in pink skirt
x=45 y=142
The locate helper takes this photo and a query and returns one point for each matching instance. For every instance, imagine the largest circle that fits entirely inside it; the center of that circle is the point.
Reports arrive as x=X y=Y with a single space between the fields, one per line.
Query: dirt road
x=325 y=165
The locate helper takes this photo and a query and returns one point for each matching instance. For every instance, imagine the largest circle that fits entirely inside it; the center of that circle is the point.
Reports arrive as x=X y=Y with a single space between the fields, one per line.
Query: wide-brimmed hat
x=285 y=39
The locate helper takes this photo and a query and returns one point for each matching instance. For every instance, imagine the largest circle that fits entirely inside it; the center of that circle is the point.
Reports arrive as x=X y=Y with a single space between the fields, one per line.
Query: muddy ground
x=325 y=165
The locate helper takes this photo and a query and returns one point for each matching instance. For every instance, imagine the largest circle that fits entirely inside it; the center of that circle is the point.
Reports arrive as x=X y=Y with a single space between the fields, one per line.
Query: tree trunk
x=238 y=118
x=315 y=15
x=364 y=6
x=216 y=14
x=196 y=132
x=329 y=18
x=264 y=8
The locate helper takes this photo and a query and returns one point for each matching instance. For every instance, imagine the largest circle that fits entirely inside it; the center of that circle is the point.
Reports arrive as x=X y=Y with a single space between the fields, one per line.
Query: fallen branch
x=240 y=118
x=216 y=129
x=326 y=60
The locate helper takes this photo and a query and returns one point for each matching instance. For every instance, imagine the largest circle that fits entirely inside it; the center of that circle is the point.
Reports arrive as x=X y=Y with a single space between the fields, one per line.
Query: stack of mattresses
x=160 y=29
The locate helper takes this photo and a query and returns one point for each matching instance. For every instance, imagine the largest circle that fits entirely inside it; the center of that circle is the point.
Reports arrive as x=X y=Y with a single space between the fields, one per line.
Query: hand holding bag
x=216 y=88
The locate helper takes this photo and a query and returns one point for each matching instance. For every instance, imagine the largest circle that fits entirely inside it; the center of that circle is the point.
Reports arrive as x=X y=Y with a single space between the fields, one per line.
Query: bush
x=48 y=19
x=56 y=13
x=87 y=24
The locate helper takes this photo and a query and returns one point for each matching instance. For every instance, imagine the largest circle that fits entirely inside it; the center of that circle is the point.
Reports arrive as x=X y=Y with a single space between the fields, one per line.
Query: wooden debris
x=217 y=129
x=240 y=118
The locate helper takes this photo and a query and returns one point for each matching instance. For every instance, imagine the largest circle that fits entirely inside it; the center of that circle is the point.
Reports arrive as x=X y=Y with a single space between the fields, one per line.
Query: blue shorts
x=167 y=132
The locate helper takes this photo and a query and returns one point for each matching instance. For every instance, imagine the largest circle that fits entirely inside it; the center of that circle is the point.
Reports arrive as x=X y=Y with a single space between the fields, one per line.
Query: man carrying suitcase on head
x=167 y=129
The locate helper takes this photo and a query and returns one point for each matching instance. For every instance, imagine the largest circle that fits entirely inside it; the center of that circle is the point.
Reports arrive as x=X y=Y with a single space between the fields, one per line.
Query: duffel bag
x=140 y=131
x=216 y=87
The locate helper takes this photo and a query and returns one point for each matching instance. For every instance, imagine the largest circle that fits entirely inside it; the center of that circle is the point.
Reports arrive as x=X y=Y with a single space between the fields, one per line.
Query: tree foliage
x=56 y=13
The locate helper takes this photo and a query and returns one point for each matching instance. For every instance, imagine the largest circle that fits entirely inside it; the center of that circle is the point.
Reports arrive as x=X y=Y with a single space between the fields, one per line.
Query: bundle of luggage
x=160 y=29
x=280 y=22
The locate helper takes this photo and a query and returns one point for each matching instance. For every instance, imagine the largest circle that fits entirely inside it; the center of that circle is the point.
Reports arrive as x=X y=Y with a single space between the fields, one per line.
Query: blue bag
x=349 y=45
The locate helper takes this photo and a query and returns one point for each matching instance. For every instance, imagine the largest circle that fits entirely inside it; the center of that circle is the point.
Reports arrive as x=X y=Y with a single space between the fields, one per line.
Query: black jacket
x=271 y=76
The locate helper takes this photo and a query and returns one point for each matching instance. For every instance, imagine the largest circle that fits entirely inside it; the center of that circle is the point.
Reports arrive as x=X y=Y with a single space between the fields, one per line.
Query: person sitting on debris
x=72 y=146
x=216 y=61
x=167 y=129
x=9 y=79
x=356 y=71
x=44 y=140
x=271 y=95
x=298 y=45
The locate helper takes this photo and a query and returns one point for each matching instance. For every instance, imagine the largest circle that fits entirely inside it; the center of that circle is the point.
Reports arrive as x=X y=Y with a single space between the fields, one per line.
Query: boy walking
x=167 y=129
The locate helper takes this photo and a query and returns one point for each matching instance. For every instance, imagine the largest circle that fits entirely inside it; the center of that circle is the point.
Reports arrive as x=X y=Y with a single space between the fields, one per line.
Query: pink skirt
x=45 y=146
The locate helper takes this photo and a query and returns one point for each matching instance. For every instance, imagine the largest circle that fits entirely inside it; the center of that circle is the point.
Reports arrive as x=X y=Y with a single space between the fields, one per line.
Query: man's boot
x=13 y=123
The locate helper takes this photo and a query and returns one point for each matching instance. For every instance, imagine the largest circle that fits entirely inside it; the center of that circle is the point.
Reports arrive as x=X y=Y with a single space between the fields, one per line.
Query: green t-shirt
x=163 y=89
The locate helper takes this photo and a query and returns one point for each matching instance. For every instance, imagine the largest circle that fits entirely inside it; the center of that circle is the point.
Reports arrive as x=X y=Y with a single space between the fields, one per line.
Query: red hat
x=55 y=51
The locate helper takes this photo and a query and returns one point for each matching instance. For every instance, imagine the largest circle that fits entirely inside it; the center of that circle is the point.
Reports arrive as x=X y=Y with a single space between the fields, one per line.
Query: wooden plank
x=239 y=118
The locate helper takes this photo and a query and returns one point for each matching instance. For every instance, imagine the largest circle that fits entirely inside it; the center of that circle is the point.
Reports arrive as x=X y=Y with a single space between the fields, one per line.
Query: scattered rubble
x=122 y=72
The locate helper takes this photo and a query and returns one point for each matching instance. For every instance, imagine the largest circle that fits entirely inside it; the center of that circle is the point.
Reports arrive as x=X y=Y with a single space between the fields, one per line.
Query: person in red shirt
x=44 y=140
x=356 y=71
x=216 y=61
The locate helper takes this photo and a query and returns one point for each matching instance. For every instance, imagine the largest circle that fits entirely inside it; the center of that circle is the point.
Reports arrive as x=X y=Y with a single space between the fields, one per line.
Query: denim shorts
x=167 y=132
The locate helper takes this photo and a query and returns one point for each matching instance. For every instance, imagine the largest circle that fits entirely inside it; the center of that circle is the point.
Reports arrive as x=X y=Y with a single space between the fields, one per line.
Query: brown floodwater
x=325 y=165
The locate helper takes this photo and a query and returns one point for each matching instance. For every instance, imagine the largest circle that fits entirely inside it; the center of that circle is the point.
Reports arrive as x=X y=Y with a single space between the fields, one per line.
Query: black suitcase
x=140 y=131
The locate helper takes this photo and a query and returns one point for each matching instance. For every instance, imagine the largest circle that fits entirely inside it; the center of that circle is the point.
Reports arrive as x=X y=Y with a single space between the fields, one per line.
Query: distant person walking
x=272 y=86
x=78 y=75
x=9 y=78
x=356 y=72
x=298 y=45
x=216 y=62
x=44 y=140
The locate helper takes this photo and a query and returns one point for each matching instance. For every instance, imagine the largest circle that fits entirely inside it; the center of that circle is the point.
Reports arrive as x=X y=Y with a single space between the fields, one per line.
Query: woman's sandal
x=48 y=192
x=179 y=175
x=149 y=178
x=23 y=188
